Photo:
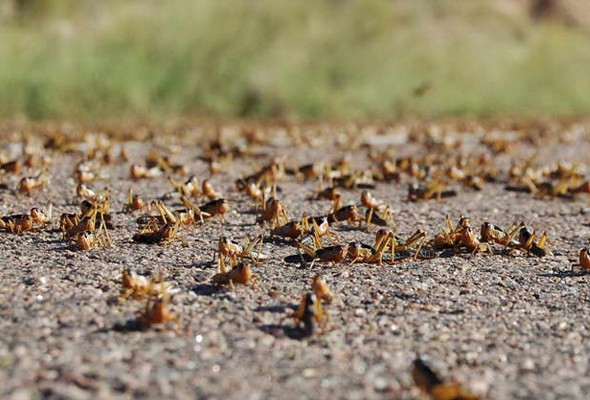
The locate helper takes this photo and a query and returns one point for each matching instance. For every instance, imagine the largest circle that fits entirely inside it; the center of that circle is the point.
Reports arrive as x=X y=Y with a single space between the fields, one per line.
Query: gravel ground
x=503 y=325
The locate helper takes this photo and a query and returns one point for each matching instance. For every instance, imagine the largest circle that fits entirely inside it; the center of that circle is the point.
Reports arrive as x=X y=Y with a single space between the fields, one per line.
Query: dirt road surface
x=504 y=325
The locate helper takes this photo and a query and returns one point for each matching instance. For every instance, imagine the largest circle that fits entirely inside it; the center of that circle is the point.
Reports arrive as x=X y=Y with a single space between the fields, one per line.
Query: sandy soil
x=505 y=326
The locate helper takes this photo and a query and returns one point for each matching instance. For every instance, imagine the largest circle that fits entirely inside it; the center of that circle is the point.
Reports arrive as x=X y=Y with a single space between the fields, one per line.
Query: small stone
x=380 y=384
x=309 y=373
x=527 y=365
x=562 y=326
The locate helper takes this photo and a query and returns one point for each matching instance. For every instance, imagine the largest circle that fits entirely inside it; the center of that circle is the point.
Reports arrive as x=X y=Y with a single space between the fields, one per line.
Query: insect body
x=209 y=191
x=42 y=216
x=466 y=238
x=157 y=312
x=494 y=234
x=460 y=237
x=432 y=190
x=28 y=185
x=17 y=223
x=584 y=260
x=346 y=213
x=87 y=240
x=275 y=212
x=235 y=251
x=526 y=240
x=373 y=206
x=240 y=274
x=364 y=253
x=332 y=254
x=310 y=314
x=152 y=233
x=166 y=214
x=372 y=217
x=400 y=250
x=299 y=229
x=215 y=208
x=321 y=289
x=290 y=230
x=141 y=172
x=138 y=286
x=330 y=193
x=134 y=202
x=12 y=167
x=433 y=385
x=254 y=191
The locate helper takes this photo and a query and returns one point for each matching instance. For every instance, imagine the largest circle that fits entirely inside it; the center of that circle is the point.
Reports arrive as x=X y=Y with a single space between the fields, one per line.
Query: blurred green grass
x=85 y=60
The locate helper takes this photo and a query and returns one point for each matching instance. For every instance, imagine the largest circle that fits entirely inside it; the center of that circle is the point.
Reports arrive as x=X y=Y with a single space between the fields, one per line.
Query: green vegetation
x=82 y=59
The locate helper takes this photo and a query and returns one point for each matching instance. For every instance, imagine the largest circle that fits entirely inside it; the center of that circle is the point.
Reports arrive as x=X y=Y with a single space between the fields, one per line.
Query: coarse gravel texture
x=504 y=325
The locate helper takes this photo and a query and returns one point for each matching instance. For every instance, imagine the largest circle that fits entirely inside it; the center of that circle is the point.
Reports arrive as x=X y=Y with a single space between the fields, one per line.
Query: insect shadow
x=298 y=258
x=276 y=240
x=64 y=247
x=345 y=228
x=250 y=211
x=207 y=289
x=200 y=265
x=278 y=308
x=564 y=274
x=50 y=241
x=130 y=325
x=284 y=328
x=278 y=331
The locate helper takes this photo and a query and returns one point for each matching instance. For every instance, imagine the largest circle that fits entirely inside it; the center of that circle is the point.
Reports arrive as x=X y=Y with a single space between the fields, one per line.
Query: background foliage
x=83 y=59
